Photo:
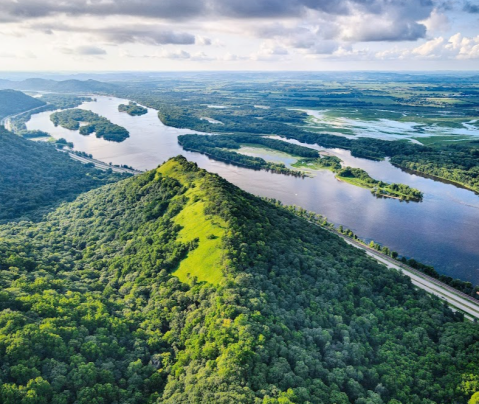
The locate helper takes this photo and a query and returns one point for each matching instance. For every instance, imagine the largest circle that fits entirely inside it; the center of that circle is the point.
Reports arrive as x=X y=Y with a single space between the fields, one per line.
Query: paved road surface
x=456 y=299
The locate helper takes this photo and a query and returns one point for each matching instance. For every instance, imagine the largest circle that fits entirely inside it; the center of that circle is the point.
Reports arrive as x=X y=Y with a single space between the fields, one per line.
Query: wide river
x=442 y=231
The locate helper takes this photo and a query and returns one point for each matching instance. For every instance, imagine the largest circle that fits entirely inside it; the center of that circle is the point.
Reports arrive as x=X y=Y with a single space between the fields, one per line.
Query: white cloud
x=456 y=47
x=437 y=22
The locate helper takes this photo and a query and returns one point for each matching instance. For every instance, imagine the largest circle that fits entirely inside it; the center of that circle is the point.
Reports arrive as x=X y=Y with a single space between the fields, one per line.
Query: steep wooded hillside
x=34 y=176
x=14 y=102
x=177 y=287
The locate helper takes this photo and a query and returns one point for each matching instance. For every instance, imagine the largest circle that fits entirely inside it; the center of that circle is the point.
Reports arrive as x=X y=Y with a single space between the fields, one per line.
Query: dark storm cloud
x=139 y=33
x=403 y=14
x=395 y=32
x=168 y=9
x=189 y=9
x=146 y=35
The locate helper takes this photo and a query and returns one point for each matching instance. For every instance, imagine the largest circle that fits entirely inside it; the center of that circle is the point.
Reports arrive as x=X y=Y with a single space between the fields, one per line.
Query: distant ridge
x=66 y=86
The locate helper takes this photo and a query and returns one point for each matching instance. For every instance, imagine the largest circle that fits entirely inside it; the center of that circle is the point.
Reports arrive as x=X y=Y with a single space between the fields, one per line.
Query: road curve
x=456 y=299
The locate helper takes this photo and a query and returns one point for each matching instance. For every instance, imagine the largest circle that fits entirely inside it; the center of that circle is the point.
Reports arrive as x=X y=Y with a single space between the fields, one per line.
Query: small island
x=361 y=178
x=132 y=109
x=102 y=127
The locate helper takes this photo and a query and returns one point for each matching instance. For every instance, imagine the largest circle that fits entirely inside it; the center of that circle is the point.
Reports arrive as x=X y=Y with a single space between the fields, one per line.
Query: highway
x=103 y=166
x=7 y=120
x=456 y=299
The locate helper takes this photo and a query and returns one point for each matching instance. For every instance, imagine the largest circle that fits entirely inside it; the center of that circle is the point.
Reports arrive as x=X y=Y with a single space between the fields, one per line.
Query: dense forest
x=34 y=176
x=177 y=287
x=101 y=126
x=132 y=109
x=13 y=102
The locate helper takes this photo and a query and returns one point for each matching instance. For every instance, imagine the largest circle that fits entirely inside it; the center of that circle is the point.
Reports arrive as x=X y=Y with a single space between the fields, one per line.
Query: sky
x=177 y=35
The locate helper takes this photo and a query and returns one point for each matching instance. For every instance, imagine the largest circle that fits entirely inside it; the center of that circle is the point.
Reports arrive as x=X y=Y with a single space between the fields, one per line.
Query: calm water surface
x=442 y=231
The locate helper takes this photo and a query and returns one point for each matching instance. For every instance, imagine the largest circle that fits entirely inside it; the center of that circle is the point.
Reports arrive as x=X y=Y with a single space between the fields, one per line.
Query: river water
x=442 y=231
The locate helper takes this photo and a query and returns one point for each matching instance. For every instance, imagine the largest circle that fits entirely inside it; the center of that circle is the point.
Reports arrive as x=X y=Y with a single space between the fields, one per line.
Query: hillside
x=177 y=287
x=13 y=102
x=34 y=176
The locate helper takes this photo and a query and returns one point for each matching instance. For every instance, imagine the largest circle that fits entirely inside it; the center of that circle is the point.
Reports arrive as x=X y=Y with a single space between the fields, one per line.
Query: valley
x=418 y=228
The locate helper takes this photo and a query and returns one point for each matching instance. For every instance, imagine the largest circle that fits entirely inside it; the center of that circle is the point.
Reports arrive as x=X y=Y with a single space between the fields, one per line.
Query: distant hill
x=34 y=176
x=13 y=102
x=177 y=287
x=66 y=86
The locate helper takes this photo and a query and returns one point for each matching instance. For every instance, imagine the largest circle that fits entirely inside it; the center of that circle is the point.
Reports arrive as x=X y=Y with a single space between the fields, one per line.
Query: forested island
x=99 y=304
x=360 y=178
x=102 y=127
x=53 y=102
x=132 y=109
x=220 y=148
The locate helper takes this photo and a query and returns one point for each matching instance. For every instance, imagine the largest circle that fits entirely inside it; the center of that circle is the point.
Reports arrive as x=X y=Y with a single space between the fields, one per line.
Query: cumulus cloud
x=399 y=19
x=129 y=33
x=270 y=51
x=173 y=54
x=437 y=22
x=456 y=47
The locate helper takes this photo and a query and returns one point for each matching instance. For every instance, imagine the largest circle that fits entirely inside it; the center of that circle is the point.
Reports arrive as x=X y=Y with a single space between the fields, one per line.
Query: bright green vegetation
x=132 y=109
x=331 y=163
x=220 y=147
x=34 y=177
x=13 y=102
x=359 y=177
x=205 y=232
x=92 y=310
x=102 y=127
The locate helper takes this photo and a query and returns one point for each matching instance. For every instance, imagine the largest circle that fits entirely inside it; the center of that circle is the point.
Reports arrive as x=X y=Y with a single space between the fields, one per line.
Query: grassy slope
x=204 y=262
